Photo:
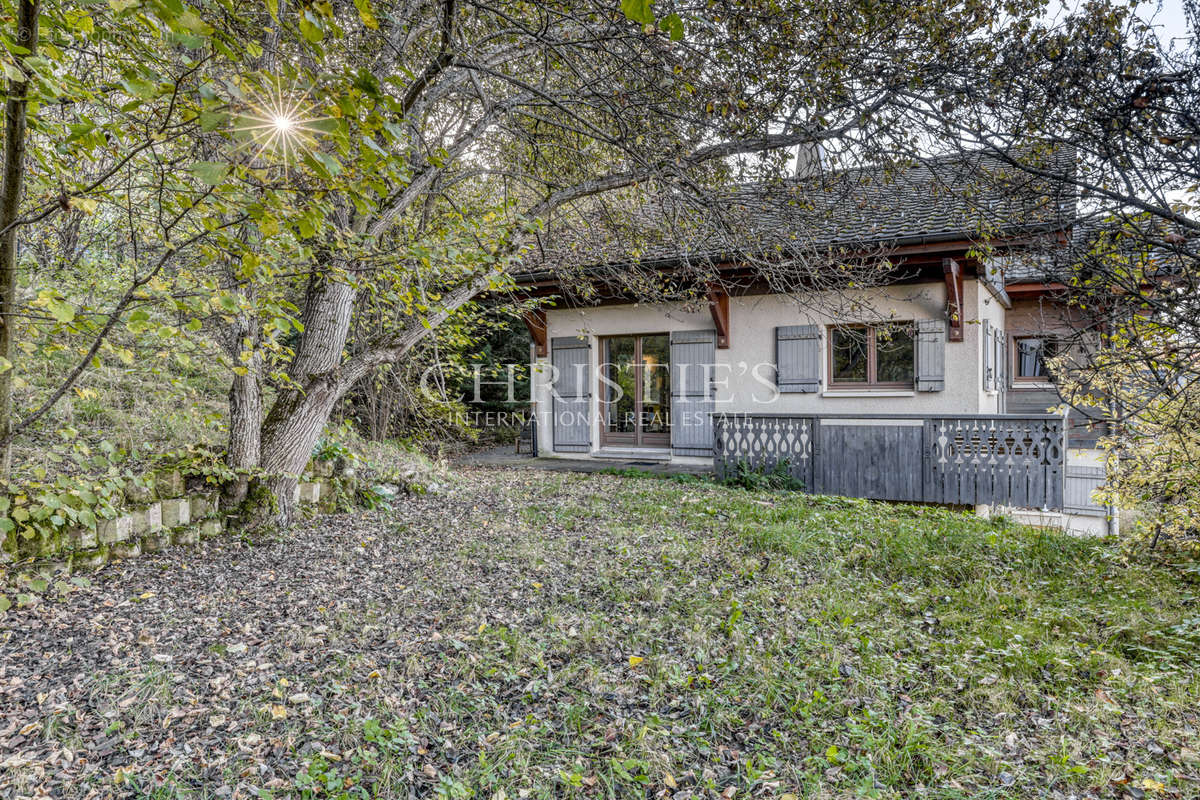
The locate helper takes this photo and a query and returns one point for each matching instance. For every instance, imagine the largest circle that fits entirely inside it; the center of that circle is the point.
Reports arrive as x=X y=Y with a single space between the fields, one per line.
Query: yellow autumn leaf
x=278 y=711
x=635 y=660
x=482 y=625
x=788 y=796
x=87 y=205
x=1151 y=785
x=374 y=675
x=122 y=774
x=669 y=780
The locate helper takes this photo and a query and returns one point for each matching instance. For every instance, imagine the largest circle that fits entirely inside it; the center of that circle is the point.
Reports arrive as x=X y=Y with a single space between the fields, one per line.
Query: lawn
x=533 y=634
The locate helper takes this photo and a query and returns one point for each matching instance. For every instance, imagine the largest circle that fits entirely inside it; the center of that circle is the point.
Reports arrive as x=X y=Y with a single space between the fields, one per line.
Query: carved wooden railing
x=1000 y=459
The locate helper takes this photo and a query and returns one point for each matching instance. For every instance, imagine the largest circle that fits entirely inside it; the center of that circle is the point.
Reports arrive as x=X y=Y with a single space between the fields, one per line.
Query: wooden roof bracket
x=718 y=306
x=535 y=321
x=954 y=298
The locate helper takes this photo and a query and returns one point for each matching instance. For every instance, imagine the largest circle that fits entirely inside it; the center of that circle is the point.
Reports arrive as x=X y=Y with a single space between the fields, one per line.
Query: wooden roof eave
x=545 y=283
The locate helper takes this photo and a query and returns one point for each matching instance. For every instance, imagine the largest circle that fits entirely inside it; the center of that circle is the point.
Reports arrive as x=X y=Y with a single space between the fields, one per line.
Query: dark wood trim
x=871 y=383
x=742 y=280
x=535 y=321
x=1025 y=291
x=959 y=248
x=718 y=306
x=952 y=273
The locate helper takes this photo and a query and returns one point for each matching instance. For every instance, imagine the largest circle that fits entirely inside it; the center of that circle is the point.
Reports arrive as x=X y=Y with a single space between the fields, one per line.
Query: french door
x=635 y=390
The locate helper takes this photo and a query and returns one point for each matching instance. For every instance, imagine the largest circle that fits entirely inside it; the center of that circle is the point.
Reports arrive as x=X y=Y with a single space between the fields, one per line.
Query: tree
x=103 y=129
x=342 y=204
x=1123 y=105
x=520 y=112
x=24 y=44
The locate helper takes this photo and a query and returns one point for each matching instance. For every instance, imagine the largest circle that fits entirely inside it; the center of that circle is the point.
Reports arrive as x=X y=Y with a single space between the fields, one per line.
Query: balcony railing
x=1003 y=459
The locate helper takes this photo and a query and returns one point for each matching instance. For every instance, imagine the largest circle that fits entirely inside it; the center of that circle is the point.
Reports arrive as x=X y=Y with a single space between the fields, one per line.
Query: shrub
x=779 y=478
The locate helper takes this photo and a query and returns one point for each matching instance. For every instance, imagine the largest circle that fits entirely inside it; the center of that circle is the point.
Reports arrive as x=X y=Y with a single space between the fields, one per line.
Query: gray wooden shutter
x=798 y=358
x=1001 y=360
x=571 y=358
x=931 y=355
x=692 y=357
x=989 y=357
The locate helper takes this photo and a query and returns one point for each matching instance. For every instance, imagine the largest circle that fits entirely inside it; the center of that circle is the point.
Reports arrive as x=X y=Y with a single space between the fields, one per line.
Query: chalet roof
x=1162 y=247
x=972 y=197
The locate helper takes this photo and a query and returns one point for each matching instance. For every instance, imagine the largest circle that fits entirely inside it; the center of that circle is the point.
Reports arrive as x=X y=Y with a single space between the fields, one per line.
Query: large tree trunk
x=245 y=430
x=298 y=415
x=289 y=434
x=10 y=208
x=241 y=340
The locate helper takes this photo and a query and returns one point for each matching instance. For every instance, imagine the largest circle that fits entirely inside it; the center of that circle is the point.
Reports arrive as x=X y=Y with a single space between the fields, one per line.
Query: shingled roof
x=973 y=197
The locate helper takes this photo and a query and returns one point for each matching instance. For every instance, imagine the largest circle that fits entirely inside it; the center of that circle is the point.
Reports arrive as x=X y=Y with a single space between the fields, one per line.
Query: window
x=1032 y=352
x=875 y=356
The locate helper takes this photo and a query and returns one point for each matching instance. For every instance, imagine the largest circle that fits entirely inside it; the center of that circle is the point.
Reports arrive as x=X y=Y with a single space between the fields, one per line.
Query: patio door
x=635 y=390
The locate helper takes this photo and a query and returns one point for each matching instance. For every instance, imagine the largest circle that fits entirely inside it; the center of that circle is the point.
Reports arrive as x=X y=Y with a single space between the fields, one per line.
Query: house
x=931 y=352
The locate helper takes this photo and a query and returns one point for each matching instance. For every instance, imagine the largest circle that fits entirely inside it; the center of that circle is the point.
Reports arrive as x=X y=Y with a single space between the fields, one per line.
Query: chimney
x=811 y=160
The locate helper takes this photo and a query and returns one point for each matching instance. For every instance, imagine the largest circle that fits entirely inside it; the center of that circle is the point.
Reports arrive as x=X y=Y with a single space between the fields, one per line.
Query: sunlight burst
x=281 y=125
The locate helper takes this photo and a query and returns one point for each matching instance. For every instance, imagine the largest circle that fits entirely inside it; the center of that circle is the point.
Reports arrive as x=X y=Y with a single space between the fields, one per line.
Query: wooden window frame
x=872 y=361
x=637 y=438
x=1015 y=362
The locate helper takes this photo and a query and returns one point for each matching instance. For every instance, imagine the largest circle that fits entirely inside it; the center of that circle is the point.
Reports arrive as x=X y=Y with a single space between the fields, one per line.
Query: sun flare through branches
x=282 y=125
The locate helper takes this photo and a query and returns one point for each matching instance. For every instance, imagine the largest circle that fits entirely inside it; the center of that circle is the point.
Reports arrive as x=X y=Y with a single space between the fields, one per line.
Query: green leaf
x=673 y=25
x=5 y=604
x=212 y=120
x=366 y=14
x=310 y=28
x=273 y=9
x=324 y=125
x=143 y=90
x=638 y=11
x=210 y=172
x=331 y=164
x=79 y=130
x=61 y=310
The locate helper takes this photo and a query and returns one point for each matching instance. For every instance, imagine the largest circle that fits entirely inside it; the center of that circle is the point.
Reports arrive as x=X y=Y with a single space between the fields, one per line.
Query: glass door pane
x=656 y=387
x=619 y=387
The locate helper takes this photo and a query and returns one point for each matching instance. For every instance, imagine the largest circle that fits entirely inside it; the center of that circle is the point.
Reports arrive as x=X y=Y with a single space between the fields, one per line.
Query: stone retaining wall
x=166 y=515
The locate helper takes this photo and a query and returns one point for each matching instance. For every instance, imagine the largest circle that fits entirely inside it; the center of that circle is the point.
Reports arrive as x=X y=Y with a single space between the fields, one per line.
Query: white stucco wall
x=986 y=307
x=753 y=320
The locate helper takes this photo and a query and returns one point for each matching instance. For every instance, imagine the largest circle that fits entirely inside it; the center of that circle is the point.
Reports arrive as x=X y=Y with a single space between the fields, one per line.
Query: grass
x=861 y=648
x=622 y=636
